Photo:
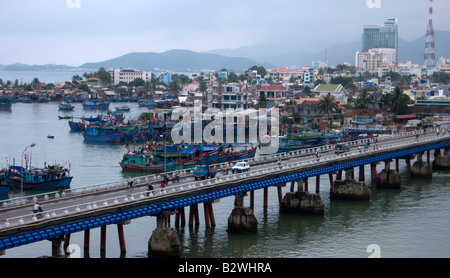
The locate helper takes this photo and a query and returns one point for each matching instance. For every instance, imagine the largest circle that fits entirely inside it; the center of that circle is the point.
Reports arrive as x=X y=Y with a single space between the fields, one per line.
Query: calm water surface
x=412 y=222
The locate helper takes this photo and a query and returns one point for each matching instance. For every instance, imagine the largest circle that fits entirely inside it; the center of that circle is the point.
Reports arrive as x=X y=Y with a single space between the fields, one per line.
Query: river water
x=410 y=222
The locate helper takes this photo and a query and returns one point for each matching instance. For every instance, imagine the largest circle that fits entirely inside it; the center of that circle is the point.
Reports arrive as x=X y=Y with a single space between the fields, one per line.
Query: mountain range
x=336 y=54
x=240 y=59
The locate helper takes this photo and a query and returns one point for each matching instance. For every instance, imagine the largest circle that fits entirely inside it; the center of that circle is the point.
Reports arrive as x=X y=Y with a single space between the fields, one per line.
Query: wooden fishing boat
x=96 y=105
x=5 y=103
x=123 y=108
x=47 y=178
x=66 y=106
x=181 y=160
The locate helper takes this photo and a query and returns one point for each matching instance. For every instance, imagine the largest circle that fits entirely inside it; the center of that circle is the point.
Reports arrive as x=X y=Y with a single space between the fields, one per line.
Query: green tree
x=399 y=102
x=260 y=70
x=103 y=75
x=363 y=99
x=262 y=101
x=138 y=82
x=202 y=86
x=441 y=77
x=174 y=86
x=35 y=84
x=328 y=105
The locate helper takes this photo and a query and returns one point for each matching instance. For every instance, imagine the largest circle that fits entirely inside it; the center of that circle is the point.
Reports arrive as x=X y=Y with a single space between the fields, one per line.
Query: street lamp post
x=21 y=164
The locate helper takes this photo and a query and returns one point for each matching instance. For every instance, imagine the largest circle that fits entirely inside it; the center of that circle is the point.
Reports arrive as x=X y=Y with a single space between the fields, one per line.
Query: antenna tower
x=430 y=50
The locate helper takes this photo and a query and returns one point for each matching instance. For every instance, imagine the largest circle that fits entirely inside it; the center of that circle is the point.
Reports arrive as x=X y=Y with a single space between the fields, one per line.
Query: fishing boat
x=66 y=106
x=80 y=126
x=146 y=103
x=64 y=117
x=43 y=100
x=47 y=178
x=182 y=159
x=4 y=188
x=123 y=108
x=77 y=126
x=96 y=104
x=102 y=134
x=5 y=103
x=25 y=100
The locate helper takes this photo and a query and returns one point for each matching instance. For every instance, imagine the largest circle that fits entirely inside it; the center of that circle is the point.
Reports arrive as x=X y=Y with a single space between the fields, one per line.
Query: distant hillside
x=48 y=67
x=336 y=54
x=176 y=60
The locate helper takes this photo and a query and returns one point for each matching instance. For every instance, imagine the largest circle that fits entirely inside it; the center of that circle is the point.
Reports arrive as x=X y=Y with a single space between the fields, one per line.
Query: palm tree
x=328 y=105
x=364 y=98
x=399 y=102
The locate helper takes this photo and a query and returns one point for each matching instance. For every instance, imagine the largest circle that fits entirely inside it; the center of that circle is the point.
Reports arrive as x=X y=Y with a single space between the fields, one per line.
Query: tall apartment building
x=128 y=76
x=368 y=61
x=381 y=36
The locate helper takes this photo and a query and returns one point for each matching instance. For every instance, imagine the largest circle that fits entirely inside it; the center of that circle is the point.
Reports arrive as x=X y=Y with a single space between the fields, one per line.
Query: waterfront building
x=275 y=95
x=229 y=96
x=127 y=76
x=381 y=36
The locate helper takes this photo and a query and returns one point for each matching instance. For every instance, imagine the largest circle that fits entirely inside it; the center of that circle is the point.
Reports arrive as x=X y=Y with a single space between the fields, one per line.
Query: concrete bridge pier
x=441 y=162
x=56 y=246
x=242 y=219
x=421 y=169
x=388 y=178
x=303 y=202
x=349 y=189
x=164 y=240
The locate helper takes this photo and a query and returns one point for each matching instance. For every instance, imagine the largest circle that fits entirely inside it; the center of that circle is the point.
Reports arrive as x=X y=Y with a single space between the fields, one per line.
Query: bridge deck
x=80 y=212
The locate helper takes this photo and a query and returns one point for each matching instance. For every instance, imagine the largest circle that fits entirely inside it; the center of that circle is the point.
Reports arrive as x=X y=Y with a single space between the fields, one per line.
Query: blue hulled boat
x=48 y=178
x=96 y=105
x=5 y=103
x=4 y=188
x=102 y=134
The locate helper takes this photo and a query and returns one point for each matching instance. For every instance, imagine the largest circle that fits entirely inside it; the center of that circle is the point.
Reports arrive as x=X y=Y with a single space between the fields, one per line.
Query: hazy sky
x=52 y=31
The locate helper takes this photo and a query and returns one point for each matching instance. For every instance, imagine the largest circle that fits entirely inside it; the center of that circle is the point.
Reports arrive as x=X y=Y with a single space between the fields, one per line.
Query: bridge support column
x=442 y=162
x=87 y=236
x=180 y=217
x=242 y=219
x=193 y=215
x=302 y=202
x=164 y=240
x=123 y=248
x=56 y=246
x=209 y=215
x=349 y=189
x=103 y=241
x=66 y=244
x=421 y=169
x=388 y=178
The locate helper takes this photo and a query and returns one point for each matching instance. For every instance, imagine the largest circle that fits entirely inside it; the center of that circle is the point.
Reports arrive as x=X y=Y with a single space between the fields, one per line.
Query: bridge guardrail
x=30 y=218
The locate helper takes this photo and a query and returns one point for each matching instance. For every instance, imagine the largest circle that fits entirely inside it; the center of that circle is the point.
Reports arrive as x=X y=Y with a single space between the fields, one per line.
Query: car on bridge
x=240 y=167
x=341 y=148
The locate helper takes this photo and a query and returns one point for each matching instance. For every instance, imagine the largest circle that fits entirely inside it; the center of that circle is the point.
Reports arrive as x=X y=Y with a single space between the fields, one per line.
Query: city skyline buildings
x=381 y=36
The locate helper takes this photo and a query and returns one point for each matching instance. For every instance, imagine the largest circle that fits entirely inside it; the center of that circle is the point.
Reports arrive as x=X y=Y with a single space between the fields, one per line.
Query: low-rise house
x=336 y=90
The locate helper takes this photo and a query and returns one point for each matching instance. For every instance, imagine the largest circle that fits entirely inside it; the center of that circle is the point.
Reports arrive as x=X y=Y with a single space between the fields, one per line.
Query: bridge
x=98 y=206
